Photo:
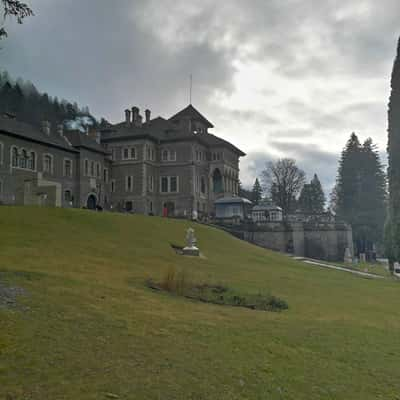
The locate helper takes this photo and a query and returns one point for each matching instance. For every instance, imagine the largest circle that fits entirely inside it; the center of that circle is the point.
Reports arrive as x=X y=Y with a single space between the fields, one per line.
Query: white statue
x=191 y=244
x=190 y=238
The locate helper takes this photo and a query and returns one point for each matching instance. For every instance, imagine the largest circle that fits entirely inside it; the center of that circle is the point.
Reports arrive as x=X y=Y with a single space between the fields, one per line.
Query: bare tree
x=16 y=9
x=283 y=180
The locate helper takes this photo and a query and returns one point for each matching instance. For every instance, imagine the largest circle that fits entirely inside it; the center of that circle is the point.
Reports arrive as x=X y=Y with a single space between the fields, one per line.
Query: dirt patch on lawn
x=9 y=295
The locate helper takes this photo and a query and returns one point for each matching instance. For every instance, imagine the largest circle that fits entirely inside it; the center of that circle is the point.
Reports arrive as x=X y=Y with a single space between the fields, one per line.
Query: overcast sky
x=278 y=78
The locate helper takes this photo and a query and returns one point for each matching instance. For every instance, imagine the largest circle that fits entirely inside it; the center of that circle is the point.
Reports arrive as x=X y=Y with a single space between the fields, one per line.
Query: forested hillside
x=24 y=100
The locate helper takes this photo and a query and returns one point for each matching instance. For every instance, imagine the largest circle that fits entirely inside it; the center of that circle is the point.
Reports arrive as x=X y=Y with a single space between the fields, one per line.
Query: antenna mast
x=190 y=91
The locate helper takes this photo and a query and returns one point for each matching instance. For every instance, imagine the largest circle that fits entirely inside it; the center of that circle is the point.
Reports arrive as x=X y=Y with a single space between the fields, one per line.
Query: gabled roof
x=79 y=139
x=191 y=112
x=29 y=132
x=162 y=130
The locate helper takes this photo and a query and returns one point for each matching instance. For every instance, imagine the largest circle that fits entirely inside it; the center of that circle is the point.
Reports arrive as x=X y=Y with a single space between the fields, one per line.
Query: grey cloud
x=309 y=158
x=117 y=54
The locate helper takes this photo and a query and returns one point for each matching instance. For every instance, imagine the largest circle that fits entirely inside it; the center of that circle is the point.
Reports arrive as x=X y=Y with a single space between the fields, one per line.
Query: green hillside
x=89 y=328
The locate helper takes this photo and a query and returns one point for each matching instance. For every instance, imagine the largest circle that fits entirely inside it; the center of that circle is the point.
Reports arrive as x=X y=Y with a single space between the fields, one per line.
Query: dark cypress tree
x=392 y=229
x=256 y=193
x=372 y=198
x=348 y=180
x=312 y=197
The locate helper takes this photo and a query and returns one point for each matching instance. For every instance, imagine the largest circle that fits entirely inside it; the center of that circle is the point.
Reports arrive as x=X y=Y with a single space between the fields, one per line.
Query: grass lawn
x=93 y=330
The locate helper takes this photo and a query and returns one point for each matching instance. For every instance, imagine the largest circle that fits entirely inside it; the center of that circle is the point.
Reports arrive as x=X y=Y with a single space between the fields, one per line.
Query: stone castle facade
x=170 y=167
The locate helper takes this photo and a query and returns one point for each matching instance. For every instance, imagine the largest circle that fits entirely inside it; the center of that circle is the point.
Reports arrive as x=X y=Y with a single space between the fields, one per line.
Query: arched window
x=217 y=181
x=32 y=160
x=165 y=155
x=23 y=159
x=14 y=157
x=47 y=163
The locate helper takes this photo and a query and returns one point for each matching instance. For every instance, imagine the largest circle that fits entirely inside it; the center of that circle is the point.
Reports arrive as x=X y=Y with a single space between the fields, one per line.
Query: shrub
x=179 y=284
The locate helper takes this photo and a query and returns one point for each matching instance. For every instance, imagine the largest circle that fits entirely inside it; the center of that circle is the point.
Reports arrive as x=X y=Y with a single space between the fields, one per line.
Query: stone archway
x=91 y=202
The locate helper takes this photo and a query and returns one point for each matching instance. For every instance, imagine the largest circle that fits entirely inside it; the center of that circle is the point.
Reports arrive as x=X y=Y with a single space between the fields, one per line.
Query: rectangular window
x=164 y=184
x=129 y=153
x=92 y=168
x=169 y=184
x=172 y=155
x=148 y=153
x=173 y=184
x=68 y=168
x=165 y=155
x=105 y=175
x=113 y=186
x=1 y=153
x=47 y=163
x=153 y=155
x=86 y=167
x=129 y=183
x=151 y=183
x=113 y=154
x=98 y=169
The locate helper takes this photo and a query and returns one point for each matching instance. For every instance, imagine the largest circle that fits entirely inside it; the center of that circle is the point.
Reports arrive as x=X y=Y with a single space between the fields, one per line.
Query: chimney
x=147 y=113
x=46 y=127
x=128 y=117
x=135 y=114
x=136 y=117
x=60 y=129
x=92 y=133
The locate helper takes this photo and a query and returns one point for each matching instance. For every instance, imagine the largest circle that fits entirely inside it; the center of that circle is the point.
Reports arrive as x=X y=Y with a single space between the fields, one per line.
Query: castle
x=169 y=167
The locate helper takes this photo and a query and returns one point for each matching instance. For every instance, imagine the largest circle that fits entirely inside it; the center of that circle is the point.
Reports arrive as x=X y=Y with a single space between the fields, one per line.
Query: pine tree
x=312 y=197
x=348 y=180
x=392 y=229
x=360 y=192
x=256 y=193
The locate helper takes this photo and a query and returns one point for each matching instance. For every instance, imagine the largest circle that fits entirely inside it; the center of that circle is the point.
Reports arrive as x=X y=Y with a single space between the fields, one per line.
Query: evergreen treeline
x=392 y=228
x=360 y=193
x=256 y=192
x=22 y=99
x=312 y=198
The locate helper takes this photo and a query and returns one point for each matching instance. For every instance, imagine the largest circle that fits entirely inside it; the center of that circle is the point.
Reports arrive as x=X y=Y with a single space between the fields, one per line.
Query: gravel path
x=320 y=264
x=9 y=294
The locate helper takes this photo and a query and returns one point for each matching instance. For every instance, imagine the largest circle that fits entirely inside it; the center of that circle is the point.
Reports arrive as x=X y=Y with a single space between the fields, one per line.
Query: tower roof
x=191 y=112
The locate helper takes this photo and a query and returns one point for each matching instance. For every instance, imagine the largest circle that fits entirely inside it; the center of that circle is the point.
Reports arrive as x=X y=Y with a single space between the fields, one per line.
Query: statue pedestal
x=191 y=251
x=348 y=259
